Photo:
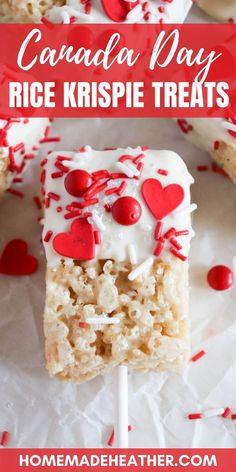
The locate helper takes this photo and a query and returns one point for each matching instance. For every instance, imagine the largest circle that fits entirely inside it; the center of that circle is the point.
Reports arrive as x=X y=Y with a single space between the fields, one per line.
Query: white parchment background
x=41 y=412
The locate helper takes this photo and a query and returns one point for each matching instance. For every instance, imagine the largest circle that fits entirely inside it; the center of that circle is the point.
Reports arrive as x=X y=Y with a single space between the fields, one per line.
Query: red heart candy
x=15 y=260
x=161 y=201
x=117 y=10
x=78 y=243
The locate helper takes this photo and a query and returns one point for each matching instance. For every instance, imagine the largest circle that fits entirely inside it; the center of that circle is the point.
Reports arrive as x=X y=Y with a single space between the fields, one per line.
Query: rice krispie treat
x=106 y=11
x=24 y=11
x=117 y=235
x=217 y=136
x=18 y=144
x=222 y=10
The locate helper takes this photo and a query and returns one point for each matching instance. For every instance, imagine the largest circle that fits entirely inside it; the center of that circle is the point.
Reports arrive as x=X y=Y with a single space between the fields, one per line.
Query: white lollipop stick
x=121 y=407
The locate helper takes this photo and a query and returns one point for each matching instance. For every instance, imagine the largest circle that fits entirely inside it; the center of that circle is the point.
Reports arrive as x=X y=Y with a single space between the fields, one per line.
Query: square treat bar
x=217 y=136
x=95 y=11
x=25 y=11
x=117 y=235
x=222 y=10
x=18 y=140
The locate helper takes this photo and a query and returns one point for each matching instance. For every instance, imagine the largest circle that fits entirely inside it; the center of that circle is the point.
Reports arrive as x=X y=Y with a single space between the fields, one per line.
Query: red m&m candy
x=220 y=277
x=126 y=211
x=77 y=182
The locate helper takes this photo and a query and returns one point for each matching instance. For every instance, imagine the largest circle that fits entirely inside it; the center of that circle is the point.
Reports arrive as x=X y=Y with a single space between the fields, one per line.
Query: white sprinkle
x=42 y=221
x=141 y=268
x=134 y=169
x=132 y=254
x=65 y=17
x=98 y=221
x=71 y=165
x=88 y=148
x=134 y=13
x=102 y=321
x=213 y=412
x=125 y=169
x=188 y=209
x=229 y=125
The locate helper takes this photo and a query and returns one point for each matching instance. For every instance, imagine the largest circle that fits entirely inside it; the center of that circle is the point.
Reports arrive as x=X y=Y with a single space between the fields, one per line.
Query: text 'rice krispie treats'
x=215 y=135
x=18 y=144
x=117 y=234
x=94 y=11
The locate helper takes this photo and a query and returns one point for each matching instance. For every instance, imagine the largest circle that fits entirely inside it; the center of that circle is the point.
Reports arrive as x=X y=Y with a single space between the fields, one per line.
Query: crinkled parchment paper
x=41 y=412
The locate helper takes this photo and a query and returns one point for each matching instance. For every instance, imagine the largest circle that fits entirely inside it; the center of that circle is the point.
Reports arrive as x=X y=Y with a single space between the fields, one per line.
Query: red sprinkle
x=97 y=237
x=218 y=169
x=159 y=247
x=158 y=230
x=216 y=145
x=43 y=162
x=15 y=192
x=57 y=175
x=4 y=438
x=202 y=168
x=72 y=214
x=59 y=209
x=121 y=188
x=184 y=232
x=29 y=156
x=107 y=208
x=17 y=180
x=48 y=236
x=162 y=171
x=175 y=243
x=194 y=416
x=178 y=254
x=226 y=412
x=54 y=196
x=138 y=159
x=233 y=416
x=100 y=174
x=18 y=147
x=83 y=324
x=169 y=233
x=87 y=203
x=111 y=190
x=111 y=439
x=55 y=139
x=38 y=202
x=198 y=356
x=61 y=167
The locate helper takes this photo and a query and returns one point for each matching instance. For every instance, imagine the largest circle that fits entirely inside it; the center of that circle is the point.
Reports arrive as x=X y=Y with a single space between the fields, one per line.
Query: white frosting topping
x=170 y=12
x=135 y=242
x=23 y=131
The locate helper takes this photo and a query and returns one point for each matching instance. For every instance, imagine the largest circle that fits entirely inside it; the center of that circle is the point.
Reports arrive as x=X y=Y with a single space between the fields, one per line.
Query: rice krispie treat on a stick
x=117 y=235
x=18 y=144
x=215 y=135
x=222 y=10
x=24 y=11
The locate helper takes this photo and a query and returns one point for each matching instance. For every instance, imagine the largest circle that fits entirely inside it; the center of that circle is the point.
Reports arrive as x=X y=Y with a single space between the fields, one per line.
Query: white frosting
x=29 y=133
x=174 y=12
x=223 y=10
x=116 y=239
x=206 y=131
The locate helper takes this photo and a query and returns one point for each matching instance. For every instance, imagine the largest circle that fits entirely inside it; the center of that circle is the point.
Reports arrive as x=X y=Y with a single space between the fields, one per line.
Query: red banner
x=118 y=70
x=134 y=460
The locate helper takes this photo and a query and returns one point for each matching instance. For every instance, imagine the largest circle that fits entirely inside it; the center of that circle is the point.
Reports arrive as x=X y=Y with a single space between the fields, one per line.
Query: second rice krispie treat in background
x=19 y=139
x=109 y=11
x=24 y=11
x=222 y=10
x=215 y=135
x=117 y=235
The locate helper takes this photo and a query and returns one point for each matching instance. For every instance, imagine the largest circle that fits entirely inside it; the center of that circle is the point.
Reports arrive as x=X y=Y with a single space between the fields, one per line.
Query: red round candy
x=77 y=182
x=220 y=277
x=126 y=211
